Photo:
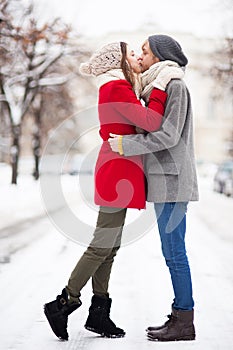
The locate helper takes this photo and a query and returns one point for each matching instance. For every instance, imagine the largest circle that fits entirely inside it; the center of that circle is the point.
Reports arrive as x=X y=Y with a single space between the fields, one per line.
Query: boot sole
x=104 y=334
x=187 y=337
x=53 y=326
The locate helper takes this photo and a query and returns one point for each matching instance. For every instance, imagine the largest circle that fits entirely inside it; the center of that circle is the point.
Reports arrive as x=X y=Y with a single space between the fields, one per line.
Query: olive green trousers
x=97 y=260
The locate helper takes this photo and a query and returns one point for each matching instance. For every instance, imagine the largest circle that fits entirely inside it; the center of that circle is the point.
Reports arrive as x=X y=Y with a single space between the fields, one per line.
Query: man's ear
x=156 y=59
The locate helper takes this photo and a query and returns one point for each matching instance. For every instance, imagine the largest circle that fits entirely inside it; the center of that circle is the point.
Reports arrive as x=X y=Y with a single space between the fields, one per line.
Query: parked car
x=223 y=179
x=206 y=169
x=228 y=188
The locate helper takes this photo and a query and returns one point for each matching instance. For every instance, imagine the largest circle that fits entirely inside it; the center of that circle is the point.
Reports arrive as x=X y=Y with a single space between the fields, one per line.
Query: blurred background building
x=205 y=34
x=212 y=106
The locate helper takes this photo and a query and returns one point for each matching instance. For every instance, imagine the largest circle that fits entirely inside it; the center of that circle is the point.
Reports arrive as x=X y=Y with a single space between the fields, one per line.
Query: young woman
x=119 y=184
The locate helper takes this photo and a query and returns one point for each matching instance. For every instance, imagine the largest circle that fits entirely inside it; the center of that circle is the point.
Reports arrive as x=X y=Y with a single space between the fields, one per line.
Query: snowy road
x=140 y=286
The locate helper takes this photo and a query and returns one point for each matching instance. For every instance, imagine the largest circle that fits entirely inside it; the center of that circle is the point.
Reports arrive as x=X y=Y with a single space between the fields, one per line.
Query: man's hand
x=114 y=142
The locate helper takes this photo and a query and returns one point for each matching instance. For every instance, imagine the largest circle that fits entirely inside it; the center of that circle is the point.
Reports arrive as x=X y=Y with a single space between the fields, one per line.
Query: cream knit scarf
x=116 y=74
x=112 y=74
x=150 y=75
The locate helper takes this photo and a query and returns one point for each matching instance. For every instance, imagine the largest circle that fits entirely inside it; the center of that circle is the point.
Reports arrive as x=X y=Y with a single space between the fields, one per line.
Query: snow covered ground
x=38 y=260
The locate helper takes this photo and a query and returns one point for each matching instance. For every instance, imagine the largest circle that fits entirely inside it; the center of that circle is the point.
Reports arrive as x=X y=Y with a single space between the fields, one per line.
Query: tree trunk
x=15 y=150
x=36 y=153
x=36 y=144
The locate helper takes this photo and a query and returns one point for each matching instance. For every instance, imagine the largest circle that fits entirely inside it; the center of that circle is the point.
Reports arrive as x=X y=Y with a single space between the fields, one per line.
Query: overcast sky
x=201 y=17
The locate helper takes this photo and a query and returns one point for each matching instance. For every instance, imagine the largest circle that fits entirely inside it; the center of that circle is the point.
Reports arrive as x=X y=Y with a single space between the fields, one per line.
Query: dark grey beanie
x=166 y=48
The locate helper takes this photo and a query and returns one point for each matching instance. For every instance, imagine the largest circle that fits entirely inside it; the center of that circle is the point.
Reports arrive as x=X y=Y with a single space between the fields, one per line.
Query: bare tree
x=222 y=70
x=28 y=51
x=223 y=67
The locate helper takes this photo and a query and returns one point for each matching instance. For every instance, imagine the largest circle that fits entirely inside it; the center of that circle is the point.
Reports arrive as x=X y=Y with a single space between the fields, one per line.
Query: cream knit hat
x=108 y=57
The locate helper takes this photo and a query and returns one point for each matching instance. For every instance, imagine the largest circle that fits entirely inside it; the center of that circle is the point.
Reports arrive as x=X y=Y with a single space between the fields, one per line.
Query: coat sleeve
x=126 y=103
x=170 y=133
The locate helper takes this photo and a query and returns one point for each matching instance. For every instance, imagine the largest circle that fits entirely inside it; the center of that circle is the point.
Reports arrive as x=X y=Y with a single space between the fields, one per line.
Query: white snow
x=140 y=284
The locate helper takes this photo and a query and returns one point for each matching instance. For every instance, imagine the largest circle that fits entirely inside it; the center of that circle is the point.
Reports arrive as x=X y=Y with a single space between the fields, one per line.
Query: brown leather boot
x=157 y=328
x=179 y=327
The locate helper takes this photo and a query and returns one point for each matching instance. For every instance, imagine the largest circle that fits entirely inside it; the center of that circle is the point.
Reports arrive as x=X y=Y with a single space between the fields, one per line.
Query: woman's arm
x=126 y=103
x=169 y=134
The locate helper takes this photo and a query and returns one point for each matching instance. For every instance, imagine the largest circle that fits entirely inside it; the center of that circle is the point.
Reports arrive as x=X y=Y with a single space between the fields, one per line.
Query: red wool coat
x=119 y=180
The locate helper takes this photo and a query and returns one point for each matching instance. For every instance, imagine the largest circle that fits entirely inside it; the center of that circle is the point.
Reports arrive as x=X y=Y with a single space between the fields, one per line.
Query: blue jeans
x=171 y=219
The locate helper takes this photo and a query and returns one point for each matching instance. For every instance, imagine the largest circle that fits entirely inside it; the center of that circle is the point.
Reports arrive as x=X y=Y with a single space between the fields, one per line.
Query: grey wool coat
x=169 y=159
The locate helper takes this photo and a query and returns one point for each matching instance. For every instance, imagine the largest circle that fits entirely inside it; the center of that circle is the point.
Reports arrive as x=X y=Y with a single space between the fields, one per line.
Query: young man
x=171 y=176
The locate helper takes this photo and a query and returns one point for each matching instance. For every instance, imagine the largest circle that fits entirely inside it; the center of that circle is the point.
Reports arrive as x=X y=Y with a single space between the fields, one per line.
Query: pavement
x=140 y=285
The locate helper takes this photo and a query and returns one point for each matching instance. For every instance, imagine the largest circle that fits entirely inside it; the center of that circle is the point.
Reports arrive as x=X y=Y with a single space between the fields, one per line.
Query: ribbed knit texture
x=149 y=77
x=166 y=48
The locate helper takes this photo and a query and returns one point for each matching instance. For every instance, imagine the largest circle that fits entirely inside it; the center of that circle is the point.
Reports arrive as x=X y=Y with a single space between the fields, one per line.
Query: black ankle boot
x=57 y=313
x=99 y=321
x=179 y=327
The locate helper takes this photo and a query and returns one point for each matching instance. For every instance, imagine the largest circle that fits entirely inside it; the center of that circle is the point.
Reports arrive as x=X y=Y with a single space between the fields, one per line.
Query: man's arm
x=169 y=134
